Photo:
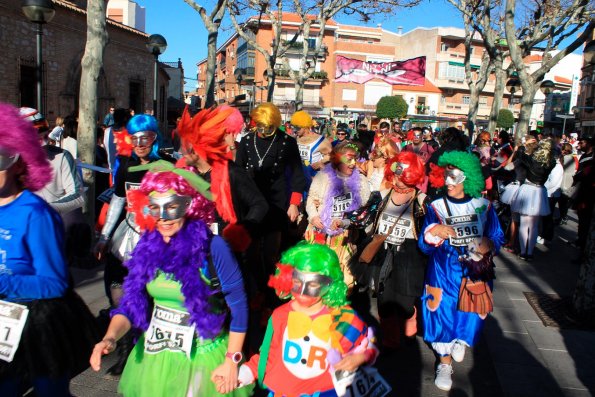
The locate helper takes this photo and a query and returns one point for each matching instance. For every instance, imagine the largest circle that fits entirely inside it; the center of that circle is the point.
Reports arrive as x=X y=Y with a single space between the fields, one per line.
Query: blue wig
x=145 y=122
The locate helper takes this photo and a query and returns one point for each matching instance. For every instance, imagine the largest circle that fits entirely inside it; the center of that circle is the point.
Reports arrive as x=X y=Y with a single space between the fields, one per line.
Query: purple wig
x=161 y=182
x=19 y=136
x=182 y=258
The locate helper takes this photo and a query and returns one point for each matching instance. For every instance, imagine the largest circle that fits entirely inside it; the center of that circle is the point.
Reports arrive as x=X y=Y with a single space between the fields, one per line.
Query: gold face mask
x=265 y=130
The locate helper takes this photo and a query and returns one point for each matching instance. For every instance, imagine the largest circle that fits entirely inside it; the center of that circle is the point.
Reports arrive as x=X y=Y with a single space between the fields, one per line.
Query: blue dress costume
x=471 y=218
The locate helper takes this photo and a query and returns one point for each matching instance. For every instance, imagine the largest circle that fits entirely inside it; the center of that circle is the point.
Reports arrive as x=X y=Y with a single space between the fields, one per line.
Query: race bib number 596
x=467 y=228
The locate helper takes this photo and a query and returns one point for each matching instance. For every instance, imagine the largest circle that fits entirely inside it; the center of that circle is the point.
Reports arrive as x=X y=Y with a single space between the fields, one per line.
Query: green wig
x=474 y=182
x=311 y=258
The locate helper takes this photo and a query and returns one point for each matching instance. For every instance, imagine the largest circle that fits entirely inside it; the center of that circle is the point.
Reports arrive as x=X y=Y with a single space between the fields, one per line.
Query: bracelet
x=232 y=148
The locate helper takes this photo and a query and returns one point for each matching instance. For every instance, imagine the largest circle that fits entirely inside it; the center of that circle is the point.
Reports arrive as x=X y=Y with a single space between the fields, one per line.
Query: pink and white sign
x=409 y=72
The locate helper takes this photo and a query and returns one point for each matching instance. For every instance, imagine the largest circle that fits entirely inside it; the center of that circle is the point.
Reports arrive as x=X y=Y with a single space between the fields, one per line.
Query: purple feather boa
x=182 y=257
x=338 y=187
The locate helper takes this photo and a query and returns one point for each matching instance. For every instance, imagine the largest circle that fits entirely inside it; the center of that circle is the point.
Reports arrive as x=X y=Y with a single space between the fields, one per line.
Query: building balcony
x=298 y=48
x=281 y=100
x=284 y=73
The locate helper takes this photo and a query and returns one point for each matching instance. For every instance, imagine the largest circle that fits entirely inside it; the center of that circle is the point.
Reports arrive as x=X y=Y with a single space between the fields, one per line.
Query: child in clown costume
x=312 y=334
x=459 y=225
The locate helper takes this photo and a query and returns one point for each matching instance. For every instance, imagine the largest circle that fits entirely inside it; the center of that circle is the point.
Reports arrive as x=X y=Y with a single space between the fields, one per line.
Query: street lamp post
x=39 y=12
x=512 y=86
x=156 y=46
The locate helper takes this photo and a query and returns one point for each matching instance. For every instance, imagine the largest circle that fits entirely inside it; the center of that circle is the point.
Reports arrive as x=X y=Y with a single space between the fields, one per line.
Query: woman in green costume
x=183 y=285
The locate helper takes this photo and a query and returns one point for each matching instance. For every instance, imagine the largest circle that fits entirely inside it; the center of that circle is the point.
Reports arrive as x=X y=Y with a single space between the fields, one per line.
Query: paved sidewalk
x=517 y=356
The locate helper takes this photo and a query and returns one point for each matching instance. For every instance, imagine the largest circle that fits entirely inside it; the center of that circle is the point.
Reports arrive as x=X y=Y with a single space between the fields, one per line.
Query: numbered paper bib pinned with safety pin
x=12 y=322
x=170 y=329
x=365 y=382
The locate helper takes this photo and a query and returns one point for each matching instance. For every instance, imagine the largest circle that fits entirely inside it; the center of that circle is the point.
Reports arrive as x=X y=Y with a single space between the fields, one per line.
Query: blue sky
x=186 y=36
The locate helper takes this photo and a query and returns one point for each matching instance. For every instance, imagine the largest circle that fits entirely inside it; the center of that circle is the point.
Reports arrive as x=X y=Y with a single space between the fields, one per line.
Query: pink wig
x=234 y=121
x=161 y=182
x=19 y=136
x=413 y=175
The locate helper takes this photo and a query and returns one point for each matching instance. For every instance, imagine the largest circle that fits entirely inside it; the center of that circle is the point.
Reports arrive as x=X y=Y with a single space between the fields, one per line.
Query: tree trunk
x=299 y=94
x=271 y=83
x=529 y=91
x=473 y=107
x=211 y=64
x=91 y=65
x=498 y=94
x=583 y=300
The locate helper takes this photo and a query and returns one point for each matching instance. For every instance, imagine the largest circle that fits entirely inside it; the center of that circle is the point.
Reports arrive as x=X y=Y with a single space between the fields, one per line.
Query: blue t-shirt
x=32 y=264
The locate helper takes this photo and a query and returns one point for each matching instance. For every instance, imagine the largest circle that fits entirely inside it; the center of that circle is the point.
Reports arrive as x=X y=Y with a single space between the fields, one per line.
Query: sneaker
x=458 y=352
x=540 y=240
x=443 y=379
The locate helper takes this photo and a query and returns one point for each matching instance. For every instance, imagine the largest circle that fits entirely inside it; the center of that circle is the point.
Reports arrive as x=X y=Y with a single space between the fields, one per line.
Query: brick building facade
x=126 y=79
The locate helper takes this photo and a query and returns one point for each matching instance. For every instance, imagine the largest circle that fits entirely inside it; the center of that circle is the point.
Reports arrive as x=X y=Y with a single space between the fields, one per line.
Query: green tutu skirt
x=172 y=374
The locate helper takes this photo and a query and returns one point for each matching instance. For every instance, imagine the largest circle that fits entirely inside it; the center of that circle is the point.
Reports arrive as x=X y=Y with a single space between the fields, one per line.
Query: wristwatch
x=235 y=357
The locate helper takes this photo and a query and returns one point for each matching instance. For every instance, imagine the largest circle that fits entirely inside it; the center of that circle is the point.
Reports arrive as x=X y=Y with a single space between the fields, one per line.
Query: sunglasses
x=143 y=138
x=341 y=133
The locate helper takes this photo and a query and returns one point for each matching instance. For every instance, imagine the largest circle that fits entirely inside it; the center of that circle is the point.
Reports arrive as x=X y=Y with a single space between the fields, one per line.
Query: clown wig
x=412 y=175
x=205 y=132
x=144 y=122
x=266 y=114
x=19 y=136
x=163 y=182
x=474 y=182
x=311 y=258
x=301 y=119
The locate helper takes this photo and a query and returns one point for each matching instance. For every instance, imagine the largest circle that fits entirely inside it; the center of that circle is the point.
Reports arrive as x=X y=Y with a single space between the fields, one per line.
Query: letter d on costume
x=292 y=353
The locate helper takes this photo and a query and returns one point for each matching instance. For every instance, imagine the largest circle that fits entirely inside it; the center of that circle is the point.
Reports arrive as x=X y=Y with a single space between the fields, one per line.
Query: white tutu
x=531 y=200
x=509 y=193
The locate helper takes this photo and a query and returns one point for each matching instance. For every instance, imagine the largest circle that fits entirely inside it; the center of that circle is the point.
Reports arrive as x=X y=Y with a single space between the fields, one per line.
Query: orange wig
x=412 y=175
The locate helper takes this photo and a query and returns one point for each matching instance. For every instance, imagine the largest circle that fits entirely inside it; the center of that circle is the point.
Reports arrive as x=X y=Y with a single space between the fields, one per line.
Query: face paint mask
x=454 y=176
x=7 y=159
x=309 y=284
x=265 y=130
x=169 y=208
x=398 y=168
x=143 y=138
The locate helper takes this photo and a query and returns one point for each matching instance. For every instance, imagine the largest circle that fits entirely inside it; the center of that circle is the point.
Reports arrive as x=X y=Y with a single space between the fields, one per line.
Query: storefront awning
x=461 y=64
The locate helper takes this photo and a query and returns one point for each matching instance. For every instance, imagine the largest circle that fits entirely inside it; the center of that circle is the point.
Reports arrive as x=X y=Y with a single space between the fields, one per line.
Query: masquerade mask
x=348 y=159
x=170 y=207
x=7 y=159
x=454 y=176
x=417 y=135
x=266 y=130
x=309 y=284
x=399 y=168
x=143 y=138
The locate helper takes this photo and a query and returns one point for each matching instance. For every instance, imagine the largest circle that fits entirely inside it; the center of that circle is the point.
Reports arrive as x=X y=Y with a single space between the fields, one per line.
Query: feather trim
x=123 y=142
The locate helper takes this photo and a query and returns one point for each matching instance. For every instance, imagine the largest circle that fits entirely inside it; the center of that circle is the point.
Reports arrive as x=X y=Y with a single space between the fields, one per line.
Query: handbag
x=475 y=297
x=372 y=248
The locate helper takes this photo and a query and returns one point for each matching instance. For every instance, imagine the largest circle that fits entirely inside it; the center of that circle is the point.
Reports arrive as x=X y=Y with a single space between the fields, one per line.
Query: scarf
x=182 y=257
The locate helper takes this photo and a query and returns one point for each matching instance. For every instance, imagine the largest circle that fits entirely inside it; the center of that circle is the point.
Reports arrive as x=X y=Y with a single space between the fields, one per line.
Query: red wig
x=412 y=175
x=206 y=132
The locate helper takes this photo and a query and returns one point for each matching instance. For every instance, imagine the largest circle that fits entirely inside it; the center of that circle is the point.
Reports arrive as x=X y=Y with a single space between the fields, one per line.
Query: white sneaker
x=458 y=351
x=540 y=240
x=443 y=379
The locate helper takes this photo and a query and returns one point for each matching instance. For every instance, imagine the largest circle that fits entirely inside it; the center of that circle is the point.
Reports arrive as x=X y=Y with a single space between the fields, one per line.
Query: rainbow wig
x=145 y=122
x=474 y=182
x=411 y=176
x=266 y=114
x=166 y=181
x=312 y=258
x=19 y=136
x=301 y=119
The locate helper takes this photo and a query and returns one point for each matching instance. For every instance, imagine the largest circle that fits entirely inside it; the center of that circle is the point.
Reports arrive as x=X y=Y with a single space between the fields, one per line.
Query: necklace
x=261 y=159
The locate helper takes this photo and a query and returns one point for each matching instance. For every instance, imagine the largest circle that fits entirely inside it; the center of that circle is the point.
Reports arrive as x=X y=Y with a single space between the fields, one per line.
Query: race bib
x=341 y=203
x=304 y=153
x=467 y=229
x=12 y=322
x=129 y=186
x=316 y=157
x=170 y=329
x=400 y=232
x=365 y=382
